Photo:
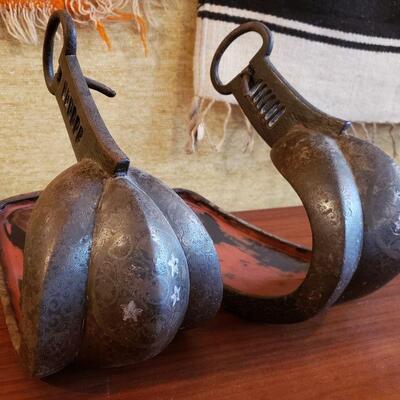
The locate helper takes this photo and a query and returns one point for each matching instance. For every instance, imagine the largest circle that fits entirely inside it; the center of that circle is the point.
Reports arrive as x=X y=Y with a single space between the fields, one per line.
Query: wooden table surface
x=351 y=352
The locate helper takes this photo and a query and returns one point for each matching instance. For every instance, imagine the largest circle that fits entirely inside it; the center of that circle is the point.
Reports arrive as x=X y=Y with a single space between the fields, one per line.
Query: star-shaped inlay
x=130 y=311
x=173 y=264
x=175 y=296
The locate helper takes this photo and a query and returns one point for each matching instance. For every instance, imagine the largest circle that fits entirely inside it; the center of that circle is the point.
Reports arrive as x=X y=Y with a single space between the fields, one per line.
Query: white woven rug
x=342 y=56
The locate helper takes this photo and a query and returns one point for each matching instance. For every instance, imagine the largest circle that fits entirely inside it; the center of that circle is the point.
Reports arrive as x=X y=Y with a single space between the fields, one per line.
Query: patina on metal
x=349 y=187
x=106 y=277
x=206 y=287
x=253 y=262
x=205 y=278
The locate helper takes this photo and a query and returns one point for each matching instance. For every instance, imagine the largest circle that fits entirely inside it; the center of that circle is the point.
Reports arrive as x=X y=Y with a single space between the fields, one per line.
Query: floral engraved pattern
x=175 y=296
x=173 y=264
x=130 y=311
x=122 y=247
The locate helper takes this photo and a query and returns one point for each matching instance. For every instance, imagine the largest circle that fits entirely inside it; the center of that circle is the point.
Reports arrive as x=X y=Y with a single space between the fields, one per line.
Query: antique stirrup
x=308 y=150
x=286 y=122
x=109 y=260
x=205 y=278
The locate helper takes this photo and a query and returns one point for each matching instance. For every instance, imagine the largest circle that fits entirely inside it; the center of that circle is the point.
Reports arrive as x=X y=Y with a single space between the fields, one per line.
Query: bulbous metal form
x=115 y=263
x=349 y=187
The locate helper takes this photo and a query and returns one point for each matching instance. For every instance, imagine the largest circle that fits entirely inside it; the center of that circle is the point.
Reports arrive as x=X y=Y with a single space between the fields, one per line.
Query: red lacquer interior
x=252 y=261
x=13 y=220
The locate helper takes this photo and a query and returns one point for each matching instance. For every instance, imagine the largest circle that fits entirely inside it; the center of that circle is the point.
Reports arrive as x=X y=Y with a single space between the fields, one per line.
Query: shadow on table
x=225 y=345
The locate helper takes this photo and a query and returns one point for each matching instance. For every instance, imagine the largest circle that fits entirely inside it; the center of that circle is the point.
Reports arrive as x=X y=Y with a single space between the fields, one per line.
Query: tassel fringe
x=369 y=132
x=249 y=146
x=197 y=129
x=218 y=147
x=201 y=107
x=197 y=125
x=23 y=19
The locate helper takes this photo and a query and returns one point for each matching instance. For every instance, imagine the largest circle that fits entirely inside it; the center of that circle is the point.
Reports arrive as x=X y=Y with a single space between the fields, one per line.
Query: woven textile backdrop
x=148 y=118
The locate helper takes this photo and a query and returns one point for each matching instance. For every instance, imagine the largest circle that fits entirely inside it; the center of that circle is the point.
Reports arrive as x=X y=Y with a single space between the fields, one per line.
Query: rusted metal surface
x=349 y=187
x=138 y=288
x=115 y=262
x=378 y=182
x=108 y=264
x=204 y=272
x=57 y=253
x=90 y=138
x=252 y=260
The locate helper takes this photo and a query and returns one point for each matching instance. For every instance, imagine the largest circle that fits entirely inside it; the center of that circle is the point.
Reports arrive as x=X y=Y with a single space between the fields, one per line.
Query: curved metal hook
x=69 y=49
x=271 y=104
x=264 y=51
x=89 y=135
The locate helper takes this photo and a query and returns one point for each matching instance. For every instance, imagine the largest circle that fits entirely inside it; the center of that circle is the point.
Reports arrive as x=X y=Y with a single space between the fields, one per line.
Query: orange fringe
x=80 y=11
x=10 y=4
x=103 y=34
x=143 y=29
x=143 y=32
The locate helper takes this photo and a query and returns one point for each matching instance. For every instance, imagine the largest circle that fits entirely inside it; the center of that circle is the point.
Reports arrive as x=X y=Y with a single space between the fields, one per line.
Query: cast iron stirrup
x=106 y=276
x=286 y=121
x=77 y=107
x=306 y=152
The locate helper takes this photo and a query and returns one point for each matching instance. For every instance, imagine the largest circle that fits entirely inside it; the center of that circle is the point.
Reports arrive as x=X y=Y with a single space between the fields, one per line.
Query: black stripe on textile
x=304 y=35
x=380 y=18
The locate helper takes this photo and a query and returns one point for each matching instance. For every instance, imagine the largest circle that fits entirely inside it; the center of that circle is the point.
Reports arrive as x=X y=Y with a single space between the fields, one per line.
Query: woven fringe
x=369 y=132
x=145 y=9
x=201 y=107
x=251 y=133
x=197 y=127
x=23 y=19
x=23 y=22
x=96 y=12
x=228 y=116
x=197 y=124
